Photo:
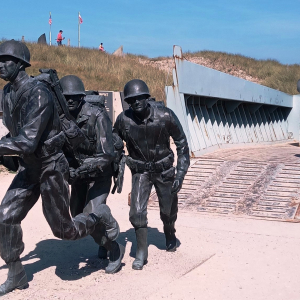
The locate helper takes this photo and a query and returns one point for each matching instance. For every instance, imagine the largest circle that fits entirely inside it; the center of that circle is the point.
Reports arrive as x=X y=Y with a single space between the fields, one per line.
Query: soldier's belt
x=150 y=166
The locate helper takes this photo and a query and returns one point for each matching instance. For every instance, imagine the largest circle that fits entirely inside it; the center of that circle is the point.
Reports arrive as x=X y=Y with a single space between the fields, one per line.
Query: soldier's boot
x=141 y=249
x=103 y=215
x=171 y=241
x=102 y=252
x=16 y=278
x=116 y=254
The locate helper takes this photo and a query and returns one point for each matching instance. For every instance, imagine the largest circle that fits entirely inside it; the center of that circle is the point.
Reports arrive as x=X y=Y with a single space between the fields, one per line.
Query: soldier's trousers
x=95 y=192
x=141 y=188
x=47 y=178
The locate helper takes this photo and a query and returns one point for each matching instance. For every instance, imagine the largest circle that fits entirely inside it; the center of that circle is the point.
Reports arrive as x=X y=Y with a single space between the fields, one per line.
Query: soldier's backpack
x=94 y=98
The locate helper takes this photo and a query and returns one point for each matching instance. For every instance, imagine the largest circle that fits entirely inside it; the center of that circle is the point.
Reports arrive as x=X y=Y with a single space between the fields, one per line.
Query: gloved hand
x=177 y=184
x=73 y=175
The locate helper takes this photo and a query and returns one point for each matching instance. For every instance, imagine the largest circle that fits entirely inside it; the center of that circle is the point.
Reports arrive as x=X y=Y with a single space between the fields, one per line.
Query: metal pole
x=78 y=30
x=50 y=30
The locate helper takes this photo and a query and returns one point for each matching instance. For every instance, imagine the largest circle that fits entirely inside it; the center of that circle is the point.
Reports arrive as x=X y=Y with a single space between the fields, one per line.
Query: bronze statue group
x=62 y=141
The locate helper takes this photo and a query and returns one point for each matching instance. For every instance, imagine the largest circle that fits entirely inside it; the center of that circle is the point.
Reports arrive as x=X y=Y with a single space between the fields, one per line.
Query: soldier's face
x=8 y=66
x=73 y=101
x=139 y=103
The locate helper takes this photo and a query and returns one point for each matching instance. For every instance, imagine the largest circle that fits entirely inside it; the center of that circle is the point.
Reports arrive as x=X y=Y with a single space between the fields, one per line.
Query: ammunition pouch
x=139 y=166
x=53 y=145
x=74 y=136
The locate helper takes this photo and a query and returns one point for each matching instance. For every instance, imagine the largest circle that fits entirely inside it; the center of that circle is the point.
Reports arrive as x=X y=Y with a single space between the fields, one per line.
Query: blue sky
x=259 y=29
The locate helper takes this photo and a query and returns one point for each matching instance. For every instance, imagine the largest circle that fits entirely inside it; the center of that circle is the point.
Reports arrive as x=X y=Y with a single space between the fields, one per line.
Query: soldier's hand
x=73 y=175
x=177 y=184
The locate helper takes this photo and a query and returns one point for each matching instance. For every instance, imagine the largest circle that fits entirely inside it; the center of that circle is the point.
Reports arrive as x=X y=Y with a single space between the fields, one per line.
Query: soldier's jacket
x=149 y=140
x=95 y=123
x=30 y=115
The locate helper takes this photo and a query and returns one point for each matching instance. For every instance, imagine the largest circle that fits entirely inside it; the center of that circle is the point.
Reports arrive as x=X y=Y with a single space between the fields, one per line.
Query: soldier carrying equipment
x=92 y=169
x=30 y=115
x=74 y=136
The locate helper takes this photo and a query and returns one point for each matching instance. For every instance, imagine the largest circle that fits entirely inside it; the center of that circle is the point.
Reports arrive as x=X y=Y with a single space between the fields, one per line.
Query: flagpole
x=78 y=30
x=50 y=30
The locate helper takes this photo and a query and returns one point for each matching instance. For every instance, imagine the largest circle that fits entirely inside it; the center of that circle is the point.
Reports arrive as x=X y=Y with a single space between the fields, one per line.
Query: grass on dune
x=104 y=71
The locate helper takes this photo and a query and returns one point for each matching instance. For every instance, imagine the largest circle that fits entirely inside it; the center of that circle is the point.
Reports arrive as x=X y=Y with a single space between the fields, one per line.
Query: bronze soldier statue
x=31 y=116
x=146 y=128
x=91 y=168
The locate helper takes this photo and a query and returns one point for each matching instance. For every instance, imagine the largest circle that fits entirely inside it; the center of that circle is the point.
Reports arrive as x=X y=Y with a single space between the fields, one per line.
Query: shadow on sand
x=77 y=259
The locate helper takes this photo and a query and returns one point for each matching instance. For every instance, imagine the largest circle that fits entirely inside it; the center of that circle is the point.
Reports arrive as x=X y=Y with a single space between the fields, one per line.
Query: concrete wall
x=219 y=110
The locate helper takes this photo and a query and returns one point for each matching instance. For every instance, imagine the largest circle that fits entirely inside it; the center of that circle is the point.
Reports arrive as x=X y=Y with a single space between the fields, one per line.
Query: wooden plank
x=238 y=181
x=273 y=198
x=189 y=187
x=222 y=200
x=268 y=215
x=196 y=175
x=242 y=177
x=192 y=182
x=285 y=185
x=220 y=204
x=226 y=190
x=290 y=172
x=280 y=194
x=269 y=209
x=288 y=214
x=226 y=195
x=205 y=166
x=216 y=210
x=274 y=203
x=258 y=169
x=281 y=190
x=235 y=185
x=245 y=173
x=290 y=176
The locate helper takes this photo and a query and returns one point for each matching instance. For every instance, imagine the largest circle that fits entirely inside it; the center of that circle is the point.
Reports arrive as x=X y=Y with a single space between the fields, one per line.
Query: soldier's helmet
x=135 y=87
x=72 y=85
x=16 y=49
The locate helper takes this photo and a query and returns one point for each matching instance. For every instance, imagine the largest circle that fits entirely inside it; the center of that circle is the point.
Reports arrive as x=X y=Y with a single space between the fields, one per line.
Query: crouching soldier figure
x=91 y=170
x=146 y=128
x=31 y=116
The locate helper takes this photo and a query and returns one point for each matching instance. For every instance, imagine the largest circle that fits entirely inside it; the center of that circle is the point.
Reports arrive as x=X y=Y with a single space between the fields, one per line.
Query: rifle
x=120 y=176
x=74 y=136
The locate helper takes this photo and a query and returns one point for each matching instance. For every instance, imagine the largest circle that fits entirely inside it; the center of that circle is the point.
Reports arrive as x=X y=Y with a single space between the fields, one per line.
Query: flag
x=80 y=19
x=50 y=20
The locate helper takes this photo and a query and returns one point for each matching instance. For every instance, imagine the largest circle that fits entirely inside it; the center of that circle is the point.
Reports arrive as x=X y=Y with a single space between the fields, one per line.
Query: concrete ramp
x=220 y=112
x=259 y=181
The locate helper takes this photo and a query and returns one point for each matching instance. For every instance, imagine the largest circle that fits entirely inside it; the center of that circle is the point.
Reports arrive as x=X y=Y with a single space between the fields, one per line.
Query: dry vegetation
x=103 y=71
x=98 y=70
x=269 y=72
